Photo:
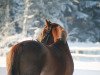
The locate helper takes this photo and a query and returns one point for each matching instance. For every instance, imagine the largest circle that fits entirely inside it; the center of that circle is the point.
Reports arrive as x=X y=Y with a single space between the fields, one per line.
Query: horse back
x=26 y=58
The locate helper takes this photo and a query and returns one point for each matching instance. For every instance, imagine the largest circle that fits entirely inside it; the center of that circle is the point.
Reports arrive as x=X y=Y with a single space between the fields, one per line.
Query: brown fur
x=34 y=58
x=57 y=32
x=61 y=62
x=26 y=58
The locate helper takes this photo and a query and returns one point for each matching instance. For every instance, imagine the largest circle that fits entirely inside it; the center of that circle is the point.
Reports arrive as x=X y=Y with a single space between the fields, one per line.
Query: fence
x=86 y=52
x=77 y=53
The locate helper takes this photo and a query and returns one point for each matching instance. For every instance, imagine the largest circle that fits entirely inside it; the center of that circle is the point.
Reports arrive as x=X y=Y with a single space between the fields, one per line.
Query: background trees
x=80 y=17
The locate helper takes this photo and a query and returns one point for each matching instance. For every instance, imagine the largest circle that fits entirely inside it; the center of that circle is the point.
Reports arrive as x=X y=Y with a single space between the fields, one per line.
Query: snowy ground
x=81 y=68
x=76 y=72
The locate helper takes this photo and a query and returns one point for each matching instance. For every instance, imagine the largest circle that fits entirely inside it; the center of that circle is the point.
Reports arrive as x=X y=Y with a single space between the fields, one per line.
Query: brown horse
x=51 y=57
x=59 y=60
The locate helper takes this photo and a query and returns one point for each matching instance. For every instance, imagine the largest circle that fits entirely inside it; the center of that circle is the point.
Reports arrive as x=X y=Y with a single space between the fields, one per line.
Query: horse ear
x=47 y=23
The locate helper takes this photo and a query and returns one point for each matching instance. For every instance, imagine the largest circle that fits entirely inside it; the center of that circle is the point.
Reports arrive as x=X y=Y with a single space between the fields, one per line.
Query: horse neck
x=61 y=45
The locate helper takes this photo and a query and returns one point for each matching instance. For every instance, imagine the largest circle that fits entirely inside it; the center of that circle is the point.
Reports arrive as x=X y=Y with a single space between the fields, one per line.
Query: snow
x=37 y=32
x=81 y=68
x=2 y=62
x=81 y=15
x=3 y=71
x=87 y=65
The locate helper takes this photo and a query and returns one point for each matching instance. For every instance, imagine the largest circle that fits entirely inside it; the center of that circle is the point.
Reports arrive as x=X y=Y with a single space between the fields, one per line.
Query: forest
x=81 y=18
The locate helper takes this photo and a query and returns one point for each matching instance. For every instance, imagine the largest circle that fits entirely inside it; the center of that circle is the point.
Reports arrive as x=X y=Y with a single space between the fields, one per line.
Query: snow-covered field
x=76 y=72
x=81 y=68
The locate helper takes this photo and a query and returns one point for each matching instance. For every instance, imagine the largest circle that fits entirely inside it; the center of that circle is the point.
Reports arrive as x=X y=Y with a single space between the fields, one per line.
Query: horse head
x=51 y=33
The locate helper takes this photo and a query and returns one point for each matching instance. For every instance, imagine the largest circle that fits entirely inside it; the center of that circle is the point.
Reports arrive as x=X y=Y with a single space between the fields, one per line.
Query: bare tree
x=26 y=16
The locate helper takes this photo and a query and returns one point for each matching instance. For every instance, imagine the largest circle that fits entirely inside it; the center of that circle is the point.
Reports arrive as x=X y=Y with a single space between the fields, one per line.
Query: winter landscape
x=23 y=19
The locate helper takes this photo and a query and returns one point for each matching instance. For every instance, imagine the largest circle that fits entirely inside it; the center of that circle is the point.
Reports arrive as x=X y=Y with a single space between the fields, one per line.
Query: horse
x=49 y=55
x=54 y=37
